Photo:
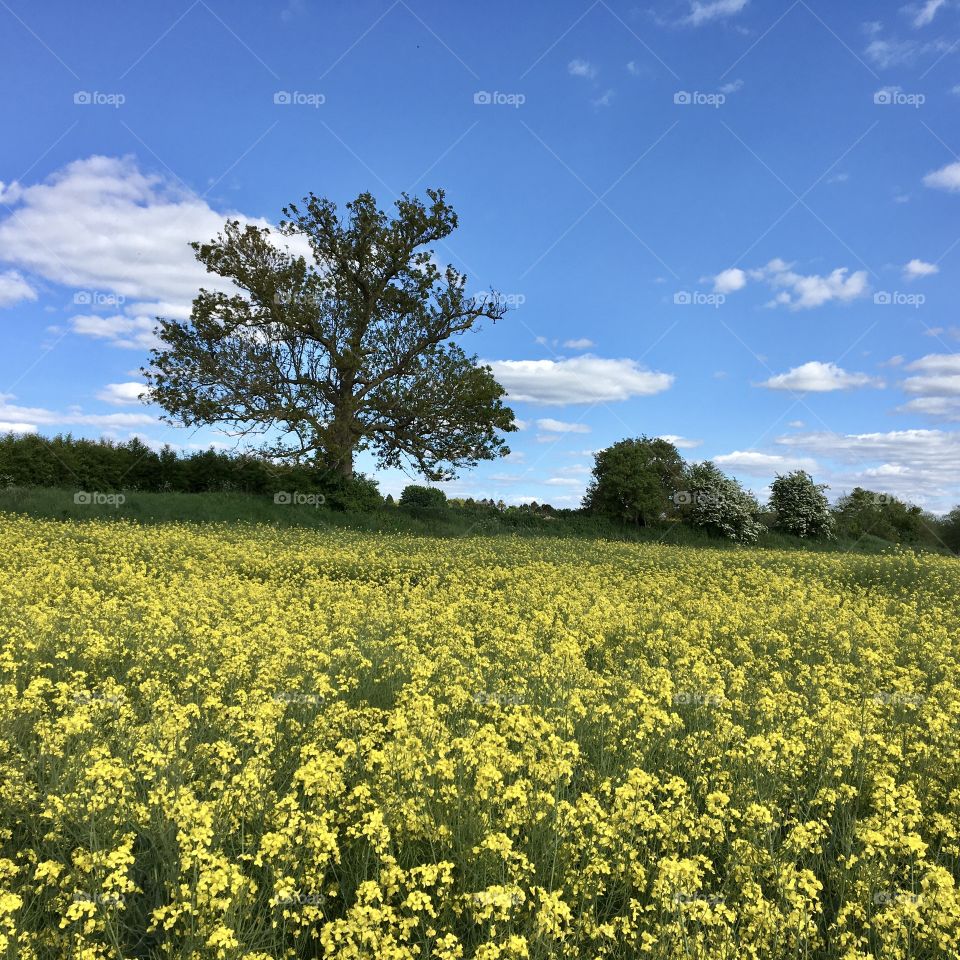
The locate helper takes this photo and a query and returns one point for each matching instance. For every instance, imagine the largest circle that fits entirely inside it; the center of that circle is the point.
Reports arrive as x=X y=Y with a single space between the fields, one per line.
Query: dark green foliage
x=716 y=503
x=865 y=513
x=351 y=348
x=424 y=500
x=634 y=480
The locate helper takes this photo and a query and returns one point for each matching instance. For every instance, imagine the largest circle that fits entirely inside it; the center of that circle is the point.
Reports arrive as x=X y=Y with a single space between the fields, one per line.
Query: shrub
x=718 y=504
x=422 y=499
x=801 y=506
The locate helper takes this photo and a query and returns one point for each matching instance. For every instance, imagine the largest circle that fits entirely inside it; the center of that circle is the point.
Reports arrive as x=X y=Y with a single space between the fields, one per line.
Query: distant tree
x=800 y=506
x=348 y=349
x=863 y=513
x=950 y=529
x=423 y=499
x=633 y=480
x=714 y=502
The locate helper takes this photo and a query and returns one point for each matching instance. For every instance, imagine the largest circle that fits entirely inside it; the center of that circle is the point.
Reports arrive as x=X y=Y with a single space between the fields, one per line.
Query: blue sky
x=728 y=222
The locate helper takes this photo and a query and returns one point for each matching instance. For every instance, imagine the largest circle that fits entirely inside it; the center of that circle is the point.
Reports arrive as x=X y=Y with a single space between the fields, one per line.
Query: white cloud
x=101 y=224
x=7 y=426
x=585 y=379
x=32 y=417
x=732 y=87
x=681 y=443
x=795 y=290
x=730 y=280
x=919 y=268
x=927 y=12
x=561 y=426
x=581 y=68
x=604 y=100
x=935 y=385
x=946 y=178
x=890 y=52
x=703 y=11
x=582 y=344
x=757 y=464
x=818 y=377
x=134 y=333
x=563 y=482
x=13 y=288
x=917 y=465
x=633 y=69
x=122 y=393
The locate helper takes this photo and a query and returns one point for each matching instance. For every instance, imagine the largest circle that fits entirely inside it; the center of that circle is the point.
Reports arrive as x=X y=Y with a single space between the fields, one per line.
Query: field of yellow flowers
x=240 y=742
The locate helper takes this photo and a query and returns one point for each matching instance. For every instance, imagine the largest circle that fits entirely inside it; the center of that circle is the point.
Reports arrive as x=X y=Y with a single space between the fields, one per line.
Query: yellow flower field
x=229 y=742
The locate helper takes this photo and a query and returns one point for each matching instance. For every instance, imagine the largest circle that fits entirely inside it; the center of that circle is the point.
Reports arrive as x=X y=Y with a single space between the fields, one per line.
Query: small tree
x=801 y=506
x=420 y=499
x=717 y=503
x=633 y=480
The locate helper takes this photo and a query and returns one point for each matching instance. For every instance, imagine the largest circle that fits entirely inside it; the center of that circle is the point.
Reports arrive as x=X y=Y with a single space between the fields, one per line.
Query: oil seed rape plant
x=236 y=742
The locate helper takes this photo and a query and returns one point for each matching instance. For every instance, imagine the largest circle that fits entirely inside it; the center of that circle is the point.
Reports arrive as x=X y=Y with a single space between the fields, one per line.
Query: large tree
x=345 y=348
x=634 y=480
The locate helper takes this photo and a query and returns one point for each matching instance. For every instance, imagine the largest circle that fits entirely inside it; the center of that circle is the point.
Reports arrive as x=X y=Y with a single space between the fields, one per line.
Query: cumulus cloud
x=818 y=377
x=757 y=464
x=13 y=288
x=794 y=290
x=581 y=68
x=704 y=11
x=935 y=386
x=585 y=379
x=946 y=178
x=101 y=224
x=917 y=465
x=133 y=333
x=681 y=443
x=8 y=426
x=729 y=281
x=32 y=417
x=561 y=426
x=919 y=268
x=122 y=393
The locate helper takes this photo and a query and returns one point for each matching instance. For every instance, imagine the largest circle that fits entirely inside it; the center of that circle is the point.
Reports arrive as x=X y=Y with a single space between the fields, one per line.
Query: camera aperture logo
x=88 y=498
x=495 y=98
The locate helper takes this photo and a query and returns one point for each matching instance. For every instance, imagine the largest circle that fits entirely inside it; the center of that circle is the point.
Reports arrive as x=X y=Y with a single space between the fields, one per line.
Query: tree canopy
x=345 y=349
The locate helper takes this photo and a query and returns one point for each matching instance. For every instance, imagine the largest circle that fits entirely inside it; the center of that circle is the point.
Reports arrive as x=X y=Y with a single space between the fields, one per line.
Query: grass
x=57 y=503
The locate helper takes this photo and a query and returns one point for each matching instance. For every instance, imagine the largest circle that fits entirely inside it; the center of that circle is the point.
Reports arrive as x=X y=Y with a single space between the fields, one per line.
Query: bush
x=420 y=499
x=718 y=504
x=633 y=481
x=801 y=506
x=354 y=494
